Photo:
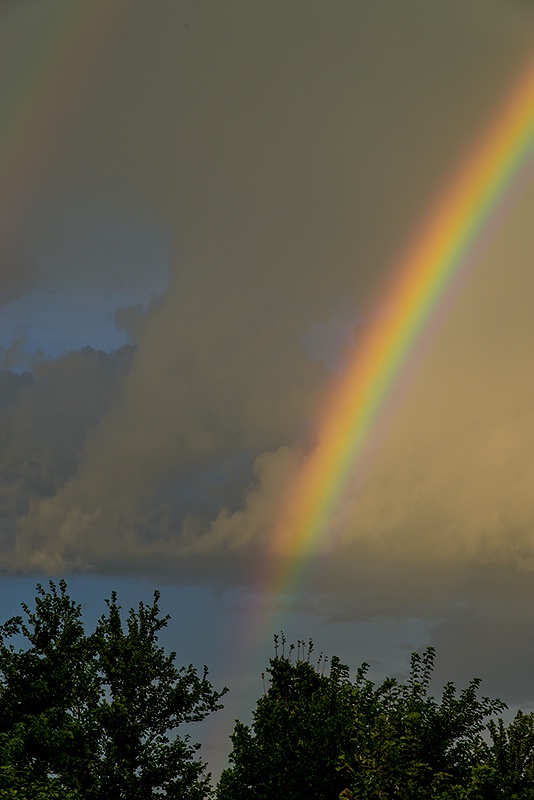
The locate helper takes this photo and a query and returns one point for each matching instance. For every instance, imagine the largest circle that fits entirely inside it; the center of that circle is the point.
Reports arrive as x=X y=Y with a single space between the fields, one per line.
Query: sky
x=202 y=205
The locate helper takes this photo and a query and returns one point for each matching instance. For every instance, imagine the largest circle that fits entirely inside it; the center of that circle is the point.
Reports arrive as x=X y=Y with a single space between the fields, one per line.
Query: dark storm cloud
x=45 y=418
x=19 y=274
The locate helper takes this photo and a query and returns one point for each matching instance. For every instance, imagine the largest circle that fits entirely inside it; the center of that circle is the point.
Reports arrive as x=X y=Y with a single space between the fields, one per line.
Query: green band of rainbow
x=465 y=211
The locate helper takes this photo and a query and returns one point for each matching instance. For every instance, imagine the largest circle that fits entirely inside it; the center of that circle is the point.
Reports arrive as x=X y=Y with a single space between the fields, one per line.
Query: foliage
x=326 y=737
x=299 y=727
x=511 y=759
x=96 y=716
x=100 y=716
x=407 y=745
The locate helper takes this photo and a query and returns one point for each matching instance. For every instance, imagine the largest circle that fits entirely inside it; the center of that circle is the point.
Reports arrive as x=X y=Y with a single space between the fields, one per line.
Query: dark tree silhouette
x=323 y=736
x=96 y=716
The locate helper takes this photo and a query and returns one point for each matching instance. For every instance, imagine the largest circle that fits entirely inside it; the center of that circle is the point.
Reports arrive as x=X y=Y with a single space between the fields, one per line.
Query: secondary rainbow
x=41 y=96
x=446 y=243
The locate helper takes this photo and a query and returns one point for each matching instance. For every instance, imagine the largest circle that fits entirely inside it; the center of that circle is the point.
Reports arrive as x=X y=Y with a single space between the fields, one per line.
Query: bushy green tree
x=407 y=745
x=94 y=716
x=47 y=689
x=509 y=773
x=324 y=737
x=300 y=726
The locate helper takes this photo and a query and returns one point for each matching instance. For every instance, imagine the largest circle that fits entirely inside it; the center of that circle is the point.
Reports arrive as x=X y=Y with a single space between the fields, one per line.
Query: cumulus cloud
x=45 y=418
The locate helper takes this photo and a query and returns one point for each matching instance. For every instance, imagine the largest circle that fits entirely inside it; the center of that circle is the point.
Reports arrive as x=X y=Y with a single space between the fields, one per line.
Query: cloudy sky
x=201 y=204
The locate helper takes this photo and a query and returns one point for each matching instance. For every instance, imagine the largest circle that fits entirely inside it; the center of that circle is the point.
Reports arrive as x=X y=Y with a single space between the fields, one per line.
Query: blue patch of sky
x=86 y=272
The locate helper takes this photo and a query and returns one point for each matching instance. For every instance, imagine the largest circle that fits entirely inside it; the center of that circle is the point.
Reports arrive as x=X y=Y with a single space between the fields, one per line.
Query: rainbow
x=447 y=242
x=64 y=44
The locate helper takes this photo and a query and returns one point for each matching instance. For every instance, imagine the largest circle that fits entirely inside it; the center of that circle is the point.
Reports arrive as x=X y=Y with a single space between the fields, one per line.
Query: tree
x=407 y=745
x=97 y=716
x=46 y=692
x=324 y=737
x=299 y=728
x=510 y=764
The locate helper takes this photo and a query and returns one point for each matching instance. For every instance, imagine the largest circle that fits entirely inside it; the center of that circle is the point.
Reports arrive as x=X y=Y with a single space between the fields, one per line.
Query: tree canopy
x=93 y=716
x=326 y=737
x=101 y=716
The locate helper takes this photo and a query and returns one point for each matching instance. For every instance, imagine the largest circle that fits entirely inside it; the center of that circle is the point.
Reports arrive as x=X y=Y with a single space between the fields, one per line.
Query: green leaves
x=95 y=716
x=299 y=727
x=511 y=757
x=100 y=715
x=324 y=737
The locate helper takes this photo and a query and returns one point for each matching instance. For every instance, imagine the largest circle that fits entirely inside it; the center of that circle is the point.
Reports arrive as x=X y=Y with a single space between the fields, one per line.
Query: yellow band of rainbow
x=466 y=211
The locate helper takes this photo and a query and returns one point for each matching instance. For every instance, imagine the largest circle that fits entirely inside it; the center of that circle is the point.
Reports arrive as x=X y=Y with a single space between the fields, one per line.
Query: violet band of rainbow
x=466 y=211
